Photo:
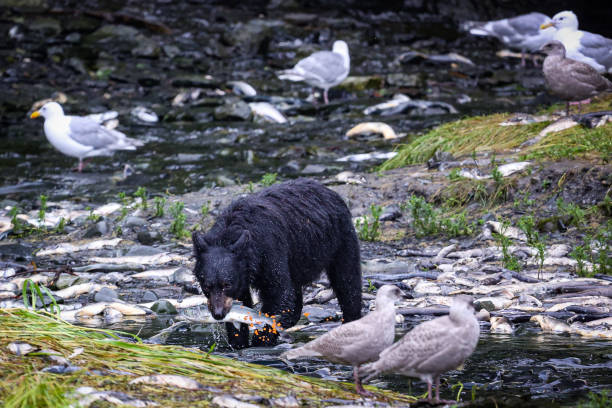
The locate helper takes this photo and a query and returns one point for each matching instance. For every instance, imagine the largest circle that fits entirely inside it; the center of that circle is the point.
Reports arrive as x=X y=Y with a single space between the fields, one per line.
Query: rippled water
x=526 y=369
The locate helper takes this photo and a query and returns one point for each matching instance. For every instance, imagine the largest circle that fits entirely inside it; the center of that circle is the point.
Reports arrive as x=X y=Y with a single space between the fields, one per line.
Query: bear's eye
x=227 y=285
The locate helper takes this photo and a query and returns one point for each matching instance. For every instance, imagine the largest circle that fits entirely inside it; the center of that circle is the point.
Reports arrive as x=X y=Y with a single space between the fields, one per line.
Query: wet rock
x=143 y=250
x=183 y=275
x=197 y=81
x=36 y=5
x=46 y=26
x=147 y=237
x=251 y=37
x=135 y=222
x=146 y=48
x=391 y=213
x=148 y=296
x=16 y=251
x=311 y=169
x=99 y=229
x=163 y=307
x=405 y=80
x=117 y=35
x=106 y=295
x=291 y=167
x=65 y=280
x=233 y=109
x=360 y=83
x=318 y=314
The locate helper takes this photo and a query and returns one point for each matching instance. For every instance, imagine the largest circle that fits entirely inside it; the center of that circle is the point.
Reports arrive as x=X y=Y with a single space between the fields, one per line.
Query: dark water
x=525 y=369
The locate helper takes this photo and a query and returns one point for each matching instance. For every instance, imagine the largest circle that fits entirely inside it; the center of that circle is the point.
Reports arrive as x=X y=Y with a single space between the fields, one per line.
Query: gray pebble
x=106 y=295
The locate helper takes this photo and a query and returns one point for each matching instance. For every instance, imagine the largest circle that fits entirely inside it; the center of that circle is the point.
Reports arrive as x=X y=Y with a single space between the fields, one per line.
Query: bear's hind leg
x=344 y=273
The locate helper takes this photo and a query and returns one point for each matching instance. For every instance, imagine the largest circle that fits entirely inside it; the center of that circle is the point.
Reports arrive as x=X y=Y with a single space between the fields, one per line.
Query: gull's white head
x=342 y=48
x=48 y=110
x=388 y=294
x=463 y=305
x=565 y=19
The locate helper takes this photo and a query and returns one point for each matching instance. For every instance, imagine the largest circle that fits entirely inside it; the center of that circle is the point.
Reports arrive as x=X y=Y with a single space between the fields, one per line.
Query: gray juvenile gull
x=522 y=32
x=359 y=341
x=569 y=79
x=323 y=69
x=431 y=348
x=583 y=46
x=79 y=136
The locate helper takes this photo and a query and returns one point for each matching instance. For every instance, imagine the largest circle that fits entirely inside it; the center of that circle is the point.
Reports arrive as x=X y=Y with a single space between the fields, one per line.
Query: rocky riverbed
x=518 y=219
x=125 y=265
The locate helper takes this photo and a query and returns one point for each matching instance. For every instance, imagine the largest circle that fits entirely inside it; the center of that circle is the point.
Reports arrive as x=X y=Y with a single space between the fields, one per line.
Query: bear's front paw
x=265 y=337
x=237 y=339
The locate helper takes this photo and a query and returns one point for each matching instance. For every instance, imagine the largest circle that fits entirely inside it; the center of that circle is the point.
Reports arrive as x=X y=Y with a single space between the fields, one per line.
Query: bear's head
x=221 y=270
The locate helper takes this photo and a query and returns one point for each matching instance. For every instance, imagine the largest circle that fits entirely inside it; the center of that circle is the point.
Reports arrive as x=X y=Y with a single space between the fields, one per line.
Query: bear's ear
x=241 y=242
x=199 y=242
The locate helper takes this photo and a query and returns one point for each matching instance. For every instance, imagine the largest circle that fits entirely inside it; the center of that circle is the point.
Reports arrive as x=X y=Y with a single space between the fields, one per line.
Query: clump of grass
x=574 y=213
x=368 y=229
x=41 y=391
x=42 y=211
x=120 y=360
x=427 y=220
x=595 y=249
x=268 y=179
x=160 y=204
x=177 y=227
x=141 y=193
x=528 y=225
x=596 y=400
x=509 y=261
x=483 y=133
x=18 y=226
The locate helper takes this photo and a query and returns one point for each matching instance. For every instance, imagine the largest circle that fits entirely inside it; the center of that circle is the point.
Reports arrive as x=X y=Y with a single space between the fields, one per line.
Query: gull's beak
x=34 y=115
x=546 y=25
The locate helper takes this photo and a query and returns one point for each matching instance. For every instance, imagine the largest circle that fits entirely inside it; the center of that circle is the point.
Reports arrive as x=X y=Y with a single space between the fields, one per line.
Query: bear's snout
x=219 y=305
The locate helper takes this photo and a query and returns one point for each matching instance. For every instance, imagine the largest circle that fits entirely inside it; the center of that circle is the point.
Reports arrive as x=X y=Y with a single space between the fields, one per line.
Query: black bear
x=277 y=241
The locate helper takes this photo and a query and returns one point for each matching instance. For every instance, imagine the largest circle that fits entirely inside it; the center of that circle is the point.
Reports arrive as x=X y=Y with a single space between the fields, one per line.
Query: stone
x=233 y=109
x=149 y=296
x=65 y=280
x=196 y=81
x=163 y=307
x=135 y=222
x=106 y=295
x=183 y=275
x=318 y=314
x=391 y=213
x=143 y=250
x=146 y=48
x=360 y=83
x=404 y=80
x=99 y=229
x=314 y=169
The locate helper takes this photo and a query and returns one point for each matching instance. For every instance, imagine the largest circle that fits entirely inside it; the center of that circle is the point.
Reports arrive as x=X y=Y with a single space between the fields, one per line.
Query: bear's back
x=301 y=218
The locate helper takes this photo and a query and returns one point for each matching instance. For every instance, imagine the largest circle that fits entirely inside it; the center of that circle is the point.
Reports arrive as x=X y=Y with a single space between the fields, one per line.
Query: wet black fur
x=277 y=241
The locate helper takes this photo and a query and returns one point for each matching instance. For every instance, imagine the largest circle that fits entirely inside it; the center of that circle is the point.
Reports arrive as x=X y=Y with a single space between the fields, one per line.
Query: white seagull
x=79 y=136
x=583 y=46
x=323 y=69
x=522 y=32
